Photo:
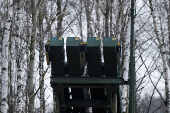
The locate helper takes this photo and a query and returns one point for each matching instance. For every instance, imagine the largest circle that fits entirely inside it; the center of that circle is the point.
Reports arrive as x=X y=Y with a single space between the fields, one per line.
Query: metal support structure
x=132 y=63
x=59 y=83
x=86 y=80
x=67 y=75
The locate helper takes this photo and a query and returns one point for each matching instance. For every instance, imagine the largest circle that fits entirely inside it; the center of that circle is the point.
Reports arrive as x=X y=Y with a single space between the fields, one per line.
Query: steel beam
x=132 y=63
x=87 y=80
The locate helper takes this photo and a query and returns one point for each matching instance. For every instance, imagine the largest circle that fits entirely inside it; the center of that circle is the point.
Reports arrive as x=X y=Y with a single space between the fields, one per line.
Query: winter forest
x=27 y=25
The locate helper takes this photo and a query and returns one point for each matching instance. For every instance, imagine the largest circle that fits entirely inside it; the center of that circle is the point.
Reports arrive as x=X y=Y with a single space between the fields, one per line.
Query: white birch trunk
x=166 y=73
x=30 y=85
x=19 y=88
x=19 y=59
x=0 y=3
x=106 y=15
x=1 y=26
x=26 y=95
x=164 y=59
x=41 y=67
x=98 y=18
x=0 y=62
x=12 y=73
x=168 y=10
x=126 y=69
x=88 y=16
x=0 y=40
x=27 y=52
x=4 y=92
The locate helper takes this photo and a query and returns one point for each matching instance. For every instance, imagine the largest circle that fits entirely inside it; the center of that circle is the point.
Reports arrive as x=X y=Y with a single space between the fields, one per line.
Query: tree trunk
x=111 y=21
x=80 y=20
x=126 y=67
x=19 y=59
x=107 y=19
x=30 y=85
x=41 y=79
x=1 y=26
x=11 y=70
x=88 y=16
x=164 y=59
x=27 y=52
x=0 y=63
x=120 y=20
x=41 y=61
x=59 y=18
x=98 y=19
x=168 y=13
x=4 y=89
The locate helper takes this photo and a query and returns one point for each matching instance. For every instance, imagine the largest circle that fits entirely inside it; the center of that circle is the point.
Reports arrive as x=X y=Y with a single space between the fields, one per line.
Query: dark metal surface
x=96 y=84
x=101 y=88
x=110 y=60
x=132 y=63
x=57 y=56
x=110 y=42
x=93 y=54
x=73 y=57
x=56 y=41
x=87 y=80
x=93 y=42
x=86 y=103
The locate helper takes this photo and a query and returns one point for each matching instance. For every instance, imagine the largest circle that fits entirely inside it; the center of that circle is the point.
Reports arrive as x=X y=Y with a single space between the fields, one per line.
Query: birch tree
x=60 y=16
x=28 y=33
x=4 y=92
x=11 y=71
x=106 y=15
x=41 y=60
x=30 y=83
x=111 y=20
x=98 y=18
x=167 y=8
x=88 y=17
x=0 y=37
x=161 y=45
x=19 y=57
x=122 y=28
x=126 y=68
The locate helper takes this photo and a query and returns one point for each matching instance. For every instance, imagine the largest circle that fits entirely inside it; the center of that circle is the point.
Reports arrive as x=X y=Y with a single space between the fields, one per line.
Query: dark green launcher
x=94 y=56
x=57 y=56
x=110 y=56
x=73 y=57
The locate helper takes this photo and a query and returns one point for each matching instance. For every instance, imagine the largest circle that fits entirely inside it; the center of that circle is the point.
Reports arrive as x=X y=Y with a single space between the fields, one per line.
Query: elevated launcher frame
x=102 y=78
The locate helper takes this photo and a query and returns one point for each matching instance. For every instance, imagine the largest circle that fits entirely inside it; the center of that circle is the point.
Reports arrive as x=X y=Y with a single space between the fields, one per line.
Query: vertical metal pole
x=132 y=64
